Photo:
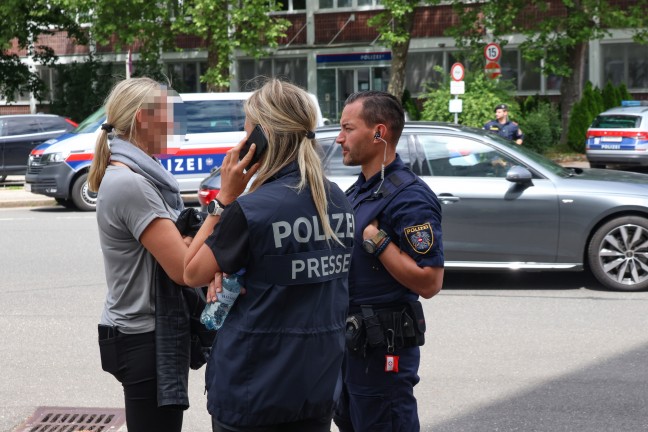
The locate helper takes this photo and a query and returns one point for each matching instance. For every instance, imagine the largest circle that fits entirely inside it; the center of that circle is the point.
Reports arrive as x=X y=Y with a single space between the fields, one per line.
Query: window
x=22 y=126
x=185 y=77
x=292 y=5
x=334 y=4
x=214 y=116
x=616 y=122
x=293 y=69
x=625 y=63
x=420 y=71
x=460 y=157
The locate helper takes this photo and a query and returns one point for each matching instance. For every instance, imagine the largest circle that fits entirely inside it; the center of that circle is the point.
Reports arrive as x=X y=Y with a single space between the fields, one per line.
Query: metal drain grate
x=60 y=419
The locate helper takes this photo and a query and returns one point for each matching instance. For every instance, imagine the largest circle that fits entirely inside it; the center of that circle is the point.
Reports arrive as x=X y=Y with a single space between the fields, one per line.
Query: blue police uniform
x=407 y=209
x=278 y=357
x=509 y=130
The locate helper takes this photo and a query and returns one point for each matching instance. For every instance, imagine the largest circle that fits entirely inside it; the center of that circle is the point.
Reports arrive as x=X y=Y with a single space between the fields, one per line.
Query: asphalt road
x=504 y=352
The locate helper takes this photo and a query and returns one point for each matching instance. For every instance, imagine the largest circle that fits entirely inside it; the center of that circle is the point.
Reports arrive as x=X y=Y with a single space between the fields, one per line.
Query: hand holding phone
x=256 y=137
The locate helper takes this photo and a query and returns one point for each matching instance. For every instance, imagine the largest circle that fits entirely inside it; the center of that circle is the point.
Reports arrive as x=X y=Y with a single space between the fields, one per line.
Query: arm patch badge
x=420 y=237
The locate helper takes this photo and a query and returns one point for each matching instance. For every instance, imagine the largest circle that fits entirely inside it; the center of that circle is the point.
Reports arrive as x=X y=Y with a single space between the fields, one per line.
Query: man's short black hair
x=380 y=107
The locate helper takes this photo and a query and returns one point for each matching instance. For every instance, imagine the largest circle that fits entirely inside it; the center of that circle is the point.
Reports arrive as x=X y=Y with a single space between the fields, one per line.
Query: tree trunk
x=399 y=58
x=571 y=88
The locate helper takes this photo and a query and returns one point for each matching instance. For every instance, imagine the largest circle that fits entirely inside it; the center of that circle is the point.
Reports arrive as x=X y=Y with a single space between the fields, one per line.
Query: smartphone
x=256 y=137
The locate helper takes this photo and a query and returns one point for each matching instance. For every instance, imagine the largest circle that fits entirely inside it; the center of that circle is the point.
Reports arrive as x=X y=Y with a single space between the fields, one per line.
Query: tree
x=477 y=101
x=228 y=25
x=23 y=21
x=139 y=25
x=395 y=26
x=557 y=31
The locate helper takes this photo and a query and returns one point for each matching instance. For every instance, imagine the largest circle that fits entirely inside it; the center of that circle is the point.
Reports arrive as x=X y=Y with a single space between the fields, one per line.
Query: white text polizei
x=304 y=229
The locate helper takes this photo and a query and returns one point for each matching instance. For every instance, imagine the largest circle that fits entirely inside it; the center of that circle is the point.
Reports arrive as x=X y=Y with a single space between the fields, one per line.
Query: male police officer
x=398 y=255
x=503 y=126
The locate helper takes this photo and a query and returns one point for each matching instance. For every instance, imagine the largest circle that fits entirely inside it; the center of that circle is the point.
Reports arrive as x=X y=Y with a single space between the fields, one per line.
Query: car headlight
x=50 y=158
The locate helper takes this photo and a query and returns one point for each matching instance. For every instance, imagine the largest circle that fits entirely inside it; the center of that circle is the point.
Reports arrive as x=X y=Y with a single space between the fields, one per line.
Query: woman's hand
x=216 y=286
x=234 y=178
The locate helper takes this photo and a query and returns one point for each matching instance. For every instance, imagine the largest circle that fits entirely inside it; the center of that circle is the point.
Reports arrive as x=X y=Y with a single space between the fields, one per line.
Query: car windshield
x=546 y=163
x=616 y=122
x=92 y=122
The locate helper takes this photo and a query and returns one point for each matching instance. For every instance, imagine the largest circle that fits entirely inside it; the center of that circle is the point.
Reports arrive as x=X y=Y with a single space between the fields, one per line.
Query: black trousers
x=310 y=425
x=131 y=359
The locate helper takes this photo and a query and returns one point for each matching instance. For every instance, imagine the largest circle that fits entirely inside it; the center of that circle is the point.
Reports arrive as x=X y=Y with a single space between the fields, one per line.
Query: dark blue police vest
x=279 y=354
x=369 y=281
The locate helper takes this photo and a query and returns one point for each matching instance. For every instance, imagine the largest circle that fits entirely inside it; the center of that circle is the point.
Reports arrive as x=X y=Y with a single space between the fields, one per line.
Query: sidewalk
x=13 y=194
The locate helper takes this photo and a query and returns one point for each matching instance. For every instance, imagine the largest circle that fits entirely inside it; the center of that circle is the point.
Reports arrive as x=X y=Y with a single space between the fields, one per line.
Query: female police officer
x=276 y=363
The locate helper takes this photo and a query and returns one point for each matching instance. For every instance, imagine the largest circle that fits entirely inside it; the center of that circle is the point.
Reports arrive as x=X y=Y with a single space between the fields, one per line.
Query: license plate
x=611 y=146
x=28 y=187
x=612 y=139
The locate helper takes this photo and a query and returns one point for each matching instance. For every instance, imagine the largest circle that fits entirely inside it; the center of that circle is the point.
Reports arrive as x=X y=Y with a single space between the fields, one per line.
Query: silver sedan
x=507 y=208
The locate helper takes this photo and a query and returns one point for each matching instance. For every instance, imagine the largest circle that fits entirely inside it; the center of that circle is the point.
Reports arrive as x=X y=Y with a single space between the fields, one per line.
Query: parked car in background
x=508 y=208
x=211 y=124
x=20 y=133
x=619 y=136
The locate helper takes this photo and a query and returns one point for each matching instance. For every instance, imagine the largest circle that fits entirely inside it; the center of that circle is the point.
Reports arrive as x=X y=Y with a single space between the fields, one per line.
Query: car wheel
x=82 y=197
x=618 y=254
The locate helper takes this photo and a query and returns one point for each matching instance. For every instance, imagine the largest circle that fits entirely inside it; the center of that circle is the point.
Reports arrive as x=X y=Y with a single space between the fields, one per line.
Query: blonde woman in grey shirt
x=138 y=203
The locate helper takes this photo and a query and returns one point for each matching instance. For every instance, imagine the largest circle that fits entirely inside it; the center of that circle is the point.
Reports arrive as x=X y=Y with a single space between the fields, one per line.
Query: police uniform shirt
x=230 y=240
x=412 y=219
x=509 y=130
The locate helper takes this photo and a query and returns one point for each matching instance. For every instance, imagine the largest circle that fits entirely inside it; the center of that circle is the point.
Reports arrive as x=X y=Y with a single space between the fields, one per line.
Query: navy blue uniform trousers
x=373 y=400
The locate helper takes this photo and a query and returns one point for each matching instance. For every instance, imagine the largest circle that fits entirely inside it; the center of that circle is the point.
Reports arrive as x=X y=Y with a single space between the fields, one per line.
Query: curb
x=28 y=203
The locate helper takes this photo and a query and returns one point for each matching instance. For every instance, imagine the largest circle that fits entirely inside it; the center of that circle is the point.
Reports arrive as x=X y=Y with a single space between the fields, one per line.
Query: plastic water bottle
x=215 y=313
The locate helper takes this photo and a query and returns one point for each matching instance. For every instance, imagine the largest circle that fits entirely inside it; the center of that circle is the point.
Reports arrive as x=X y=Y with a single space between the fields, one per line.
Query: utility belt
x=392 y=327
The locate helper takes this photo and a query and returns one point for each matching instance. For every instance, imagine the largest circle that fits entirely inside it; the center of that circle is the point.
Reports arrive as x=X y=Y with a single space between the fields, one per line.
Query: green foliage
x=24 y=21
x=246 y=25
x=611 y=96
x=481 y=97
x=80 y=88
x=540 y=124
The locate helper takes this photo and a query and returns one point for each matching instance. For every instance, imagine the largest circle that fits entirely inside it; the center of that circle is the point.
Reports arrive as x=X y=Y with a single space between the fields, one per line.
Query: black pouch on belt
x=375 y=334
x=416 y=308
x=108 y=349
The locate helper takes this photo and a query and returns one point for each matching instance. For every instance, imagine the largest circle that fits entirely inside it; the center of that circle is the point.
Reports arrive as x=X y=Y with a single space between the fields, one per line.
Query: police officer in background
x=276 y=363
x=398 y=256
x=503 y=127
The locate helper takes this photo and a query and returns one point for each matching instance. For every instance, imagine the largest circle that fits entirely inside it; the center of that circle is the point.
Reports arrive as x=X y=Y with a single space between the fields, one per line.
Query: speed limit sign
x=492 y=52
x=457 y=72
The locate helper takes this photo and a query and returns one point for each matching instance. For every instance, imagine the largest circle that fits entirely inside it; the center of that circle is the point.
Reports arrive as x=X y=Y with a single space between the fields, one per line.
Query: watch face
x=369 y=246
x=214 y=209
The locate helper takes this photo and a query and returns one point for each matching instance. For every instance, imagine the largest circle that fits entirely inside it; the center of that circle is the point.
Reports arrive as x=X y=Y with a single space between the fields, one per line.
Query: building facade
x=330 y=50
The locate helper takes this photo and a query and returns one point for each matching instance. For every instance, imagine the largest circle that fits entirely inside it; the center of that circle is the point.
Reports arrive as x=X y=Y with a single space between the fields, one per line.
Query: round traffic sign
x=492 y=52
x=457 y=72
x=492 y=70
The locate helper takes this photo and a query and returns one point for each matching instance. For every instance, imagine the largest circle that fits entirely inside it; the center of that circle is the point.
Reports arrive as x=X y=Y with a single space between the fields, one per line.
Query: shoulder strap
x=393 y=184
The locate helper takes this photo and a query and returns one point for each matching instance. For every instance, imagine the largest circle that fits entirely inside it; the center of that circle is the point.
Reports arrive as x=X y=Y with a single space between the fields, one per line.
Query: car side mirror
x=519 y=174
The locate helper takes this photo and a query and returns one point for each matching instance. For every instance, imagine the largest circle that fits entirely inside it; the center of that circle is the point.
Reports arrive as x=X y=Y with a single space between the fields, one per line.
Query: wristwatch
x=215 y=208
x=370 y=245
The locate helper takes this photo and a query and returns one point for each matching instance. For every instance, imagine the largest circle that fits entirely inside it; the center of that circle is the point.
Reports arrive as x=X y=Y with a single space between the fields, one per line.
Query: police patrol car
x=619 y=136
x=214 y=123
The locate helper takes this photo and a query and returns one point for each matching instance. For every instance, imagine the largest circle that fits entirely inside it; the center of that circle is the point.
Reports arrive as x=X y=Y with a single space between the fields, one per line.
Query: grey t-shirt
x=126 y=204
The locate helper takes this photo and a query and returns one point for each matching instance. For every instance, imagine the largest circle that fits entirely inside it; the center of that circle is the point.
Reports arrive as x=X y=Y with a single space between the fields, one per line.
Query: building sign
x=354 y=57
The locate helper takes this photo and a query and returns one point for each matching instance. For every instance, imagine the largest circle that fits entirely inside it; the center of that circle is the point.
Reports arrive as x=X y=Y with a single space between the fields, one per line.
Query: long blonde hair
x=122 y=104
x=288 y=116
